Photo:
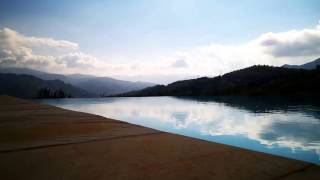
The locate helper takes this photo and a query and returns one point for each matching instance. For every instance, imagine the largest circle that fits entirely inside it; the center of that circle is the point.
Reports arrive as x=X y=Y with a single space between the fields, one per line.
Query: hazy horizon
x=157 y=41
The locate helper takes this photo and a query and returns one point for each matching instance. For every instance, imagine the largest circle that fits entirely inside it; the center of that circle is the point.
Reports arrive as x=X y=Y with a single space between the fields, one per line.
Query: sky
x=157 y=40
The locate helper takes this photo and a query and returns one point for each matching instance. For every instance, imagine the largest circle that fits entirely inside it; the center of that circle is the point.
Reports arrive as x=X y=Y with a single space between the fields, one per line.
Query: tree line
x=51 y=93
x=259 y=80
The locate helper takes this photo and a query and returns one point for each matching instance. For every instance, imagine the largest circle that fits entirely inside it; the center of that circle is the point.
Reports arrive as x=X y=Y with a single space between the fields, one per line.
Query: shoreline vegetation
x=47 y=93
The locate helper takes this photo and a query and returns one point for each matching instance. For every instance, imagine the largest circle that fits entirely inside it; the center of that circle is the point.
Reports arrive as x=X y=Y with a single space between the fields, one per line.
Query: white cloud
x=293 y=43
x=78 y=59
x=291 y=47
x=41 y=53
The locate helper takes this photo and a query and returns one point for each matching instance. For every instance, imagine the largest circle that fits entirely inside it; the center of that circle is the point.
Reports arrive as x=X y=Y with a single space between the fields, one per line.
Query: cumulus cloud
x=292 y=43
x=271 y=48
x=41 y=53
x=291 y=47
x=78 y=59
x=12 y=38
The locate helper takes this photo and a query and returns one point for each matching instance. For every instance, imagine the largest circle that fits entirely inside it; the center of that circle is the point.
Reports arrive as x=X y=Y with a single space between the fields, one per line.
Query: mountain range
x=295 y=80
x=28 y=86
x=310 y=65
x=258 y=80
x=92 y=85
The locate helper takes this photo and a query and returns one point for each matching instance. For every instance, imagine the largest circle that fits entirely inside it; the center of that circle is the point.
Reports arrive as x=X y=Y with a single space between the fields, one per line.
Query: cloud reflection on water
x=295 y=128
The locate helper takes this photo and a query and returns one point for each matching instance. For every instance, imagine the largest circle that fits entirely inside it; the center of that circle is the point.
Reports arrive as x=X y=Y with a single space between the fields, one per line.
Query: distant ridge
x=92 y=84
x=309 y=66
x=28 y=86
x=104 y=86
x=253 y=81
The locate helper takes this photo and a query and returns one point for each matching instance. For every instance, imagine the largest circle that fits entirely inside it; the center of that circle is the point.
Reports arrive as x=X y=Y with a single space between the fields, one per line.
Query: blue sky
x=123 y=32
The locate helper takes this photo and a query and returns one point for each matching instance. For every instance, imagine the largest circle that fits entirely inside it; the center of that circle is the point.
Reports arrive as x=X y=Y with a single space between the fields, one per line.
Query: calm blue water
x=281 y=127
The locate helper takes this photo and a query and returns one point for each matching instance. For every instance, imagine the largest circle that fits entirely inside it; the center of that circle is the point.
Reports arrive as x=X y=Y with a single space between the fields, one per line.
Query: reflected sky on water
x=272 y=125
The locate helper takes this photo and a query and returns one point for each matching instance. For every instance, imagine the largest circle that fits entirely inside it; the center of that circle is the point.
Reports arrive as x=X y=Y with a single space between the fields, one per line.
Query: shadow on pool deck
x=46 y=142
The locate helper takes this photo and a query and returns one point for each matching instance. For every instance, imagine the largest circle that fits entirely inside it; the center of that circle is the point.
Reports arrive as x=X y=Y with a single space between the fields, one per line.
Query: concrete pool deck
x=46 y=142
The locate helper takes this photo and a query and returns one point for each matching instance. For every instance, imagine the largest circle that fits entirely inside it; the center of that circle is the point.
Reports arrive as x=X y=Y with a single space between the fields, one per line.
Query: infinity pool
x=275 y=126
